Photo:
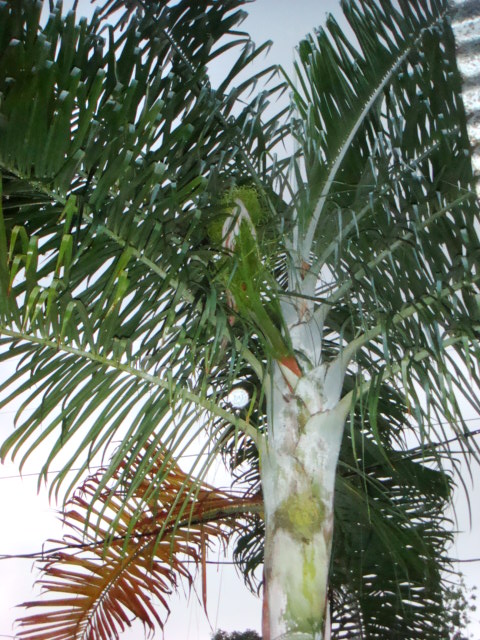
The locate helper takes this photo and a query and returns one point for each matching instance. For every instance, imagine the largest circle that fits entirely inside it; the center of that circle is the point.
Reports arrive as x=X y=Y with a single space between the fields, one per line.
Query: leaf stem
x=184 y=393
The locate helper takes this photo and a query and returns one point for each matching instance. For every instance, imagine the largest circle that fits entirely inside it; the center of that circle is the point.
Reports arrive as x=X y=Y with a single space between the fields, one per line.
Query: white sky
x=28 y=519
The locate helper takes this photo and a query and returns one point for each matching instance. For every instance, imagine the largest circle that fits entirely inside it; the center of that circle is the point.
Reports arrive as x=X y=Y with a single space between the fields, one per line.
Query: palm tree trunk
x=298 y=466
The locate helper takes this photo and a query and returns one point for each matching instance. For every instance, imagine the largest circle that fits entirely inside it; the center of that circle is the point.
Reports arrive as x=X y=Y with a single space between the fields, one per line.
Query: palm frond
x=387 y=208
x=382 y=91
x=391 y=544
x=115 y=156
x=102 y=273
x=391 y=535
x=99 y=582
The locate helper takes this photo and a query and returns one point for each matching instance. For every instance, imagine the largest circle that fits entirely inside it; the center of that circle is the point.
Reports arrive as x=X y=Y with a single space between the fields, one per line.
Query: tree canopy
x=159 y=249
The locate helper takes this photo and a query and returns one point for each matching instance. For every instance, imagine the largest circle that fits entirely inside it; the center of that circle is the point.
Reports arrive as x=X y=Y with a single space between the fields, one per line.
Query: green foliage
x=130 y=320
x=245 y=269
x=113 y=297
x=228 y=206
x=254 y=290
x=252 y=200
x=236 y=635
x=460 y=603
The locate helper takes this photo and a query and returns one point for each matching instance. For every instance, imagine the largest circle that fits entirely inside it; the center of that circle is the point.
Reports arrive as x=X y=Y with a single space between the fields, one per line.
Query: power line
x=91 y=467
x=469 y=434
x=248 y=506
x=50 y=554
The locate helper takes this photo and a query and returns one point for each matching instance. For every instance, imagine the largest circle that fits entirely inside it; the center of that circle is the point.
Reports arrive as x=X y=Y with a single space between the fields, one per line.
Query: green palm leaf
x=388 y=206
x=114 y=298
x=132 y=317
x=391 y=536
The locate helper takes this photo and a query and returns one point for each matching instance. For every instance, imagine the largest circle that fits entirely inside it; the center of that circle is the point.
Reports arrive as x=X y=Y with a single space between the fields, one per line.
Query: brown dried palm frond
x=93 y=588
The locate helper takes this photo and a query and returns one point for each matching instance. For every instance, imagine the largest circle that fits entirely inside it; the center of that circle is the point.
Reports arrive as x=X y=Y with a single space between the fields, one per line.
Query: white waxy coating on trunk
x=298 y=465
x=297 y=585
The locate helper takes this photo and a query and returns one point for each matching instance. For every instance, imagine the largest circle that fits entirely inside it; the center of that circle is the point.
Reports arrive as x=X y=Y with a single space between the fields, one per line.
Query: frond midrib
x=183 y=392
x=365 y=109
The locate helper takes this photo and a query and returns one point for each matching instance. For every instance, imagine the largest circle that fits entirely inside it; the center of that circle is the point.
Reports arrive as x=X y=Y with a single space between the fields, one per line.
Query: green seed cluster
x=251 y=199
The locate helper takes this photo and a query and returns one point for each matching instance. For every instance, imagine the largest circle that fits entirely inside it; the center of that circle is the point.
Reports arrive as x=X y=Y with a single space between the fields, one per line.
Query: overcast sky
x=28 y=520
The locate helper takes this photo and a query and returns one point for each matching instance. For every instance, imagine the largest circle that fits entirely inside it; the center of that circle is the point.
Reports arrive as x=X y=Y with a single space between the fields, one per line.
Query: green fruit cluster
x=253 y=203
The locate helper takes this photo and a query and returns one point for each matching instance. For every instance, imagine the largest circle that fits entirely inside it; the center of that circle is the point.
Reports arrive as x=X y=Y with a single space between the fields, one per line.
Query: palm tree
x=157 y=257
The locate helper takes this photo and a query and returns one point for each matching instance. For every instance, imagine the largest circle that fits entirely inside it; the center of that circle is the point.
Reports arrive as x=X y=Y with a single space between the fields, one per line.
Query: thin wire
x=97 y=466
x=52 y=553
x=470 y=434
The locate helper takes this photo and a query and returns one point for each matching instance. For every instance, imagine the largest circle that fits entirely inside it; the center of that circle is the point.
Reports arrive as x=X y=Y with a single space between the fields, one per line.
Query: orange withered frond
x=98 y=583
